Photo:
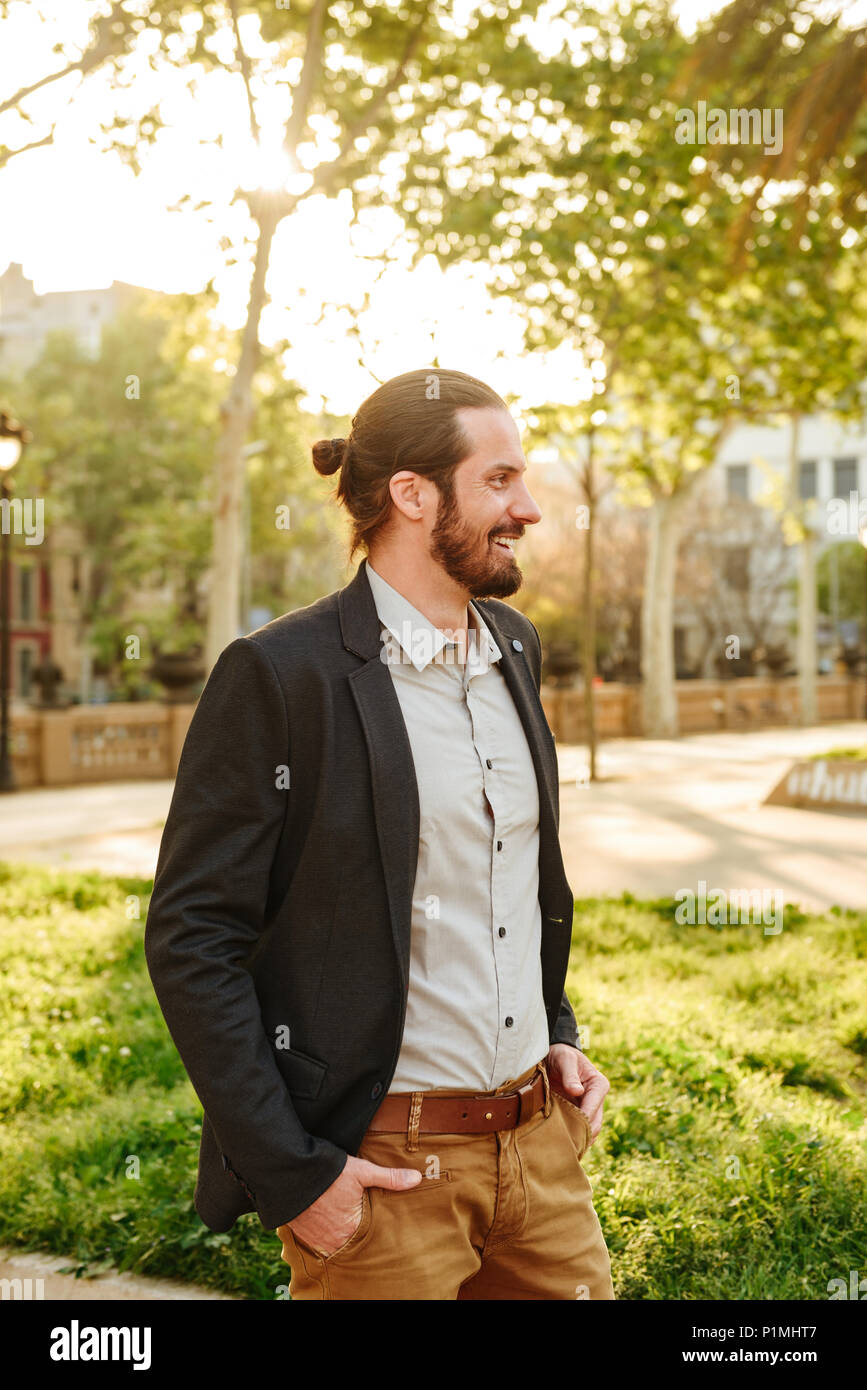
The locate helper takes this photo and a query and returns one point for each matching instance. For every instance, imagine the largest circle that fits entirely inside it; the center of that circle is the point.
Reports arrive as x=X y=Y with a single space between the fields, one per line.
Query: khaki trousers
x=505 y=1215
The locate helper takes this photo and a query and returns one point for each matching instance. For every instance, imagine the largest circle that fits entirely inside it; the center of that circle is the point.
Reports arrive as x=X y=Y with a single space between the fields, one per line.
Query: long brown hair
x=408 y=422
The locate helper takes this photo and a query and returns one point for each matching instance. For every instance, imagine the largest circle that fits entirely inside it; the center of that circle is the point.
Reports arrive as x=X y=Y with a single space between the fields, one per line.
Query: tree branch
x=102 y=49
x=246 y=73
x=326 y=173
x=297 y=122
x=6 y=155
x=43 y=82
x=380 y=97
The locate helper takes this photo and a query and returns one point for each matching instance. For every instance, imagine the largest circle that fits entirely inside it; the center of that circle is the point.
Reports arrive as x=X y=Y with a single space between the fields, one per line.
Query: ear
x=409 y=494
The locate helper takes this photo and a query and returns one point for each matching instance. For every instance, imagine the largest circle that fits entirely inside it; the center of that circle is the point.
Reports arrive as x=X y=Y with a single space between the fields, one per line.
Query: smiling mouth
x=506 y=543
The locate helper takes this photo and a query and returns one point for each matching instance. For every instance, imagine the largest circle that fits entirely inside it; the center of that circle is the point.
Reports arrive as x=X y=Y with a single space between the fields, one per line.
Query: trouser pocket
x=577 y=1124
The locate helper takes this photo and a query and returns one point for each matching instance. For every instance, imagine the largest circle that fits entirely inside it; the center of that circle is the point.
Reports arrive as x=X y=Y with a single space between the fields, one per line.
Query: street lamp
x=13 y=437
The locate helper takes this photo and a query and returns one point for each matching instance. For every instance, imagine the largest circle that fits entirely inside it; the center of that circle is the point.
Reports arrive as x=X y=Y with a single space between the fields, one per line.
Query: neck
x=424 y=584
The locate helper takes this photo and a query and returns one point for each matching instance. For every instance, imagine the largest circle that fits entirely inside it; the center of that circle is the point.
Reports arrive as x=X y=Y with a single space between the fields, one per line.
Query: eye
x=499 y=478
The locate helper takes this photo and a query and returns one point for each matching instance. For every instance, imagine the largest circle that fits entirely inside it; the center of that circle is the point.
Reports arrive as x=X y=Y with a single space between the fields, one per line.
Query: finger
x=567 y=1080
x=564 y=1076
x=397 y=1179
x=593 y=1116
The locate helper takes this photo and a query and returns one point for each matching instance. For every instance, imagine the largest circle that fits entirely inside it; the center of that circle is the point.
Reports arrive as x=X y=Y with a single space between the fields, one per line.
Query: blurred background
x=643 y=223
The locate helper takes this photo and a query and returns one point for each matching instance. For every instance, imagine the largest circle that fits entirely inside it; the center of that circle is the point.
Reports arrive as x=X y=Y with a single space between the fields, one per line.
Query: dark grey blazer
x=278 y=909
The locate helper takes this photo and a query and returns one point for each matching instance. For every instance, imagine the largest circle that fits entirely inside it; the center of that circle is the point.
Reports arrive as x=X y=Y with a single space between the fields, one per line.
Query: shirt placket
x=505 y=1004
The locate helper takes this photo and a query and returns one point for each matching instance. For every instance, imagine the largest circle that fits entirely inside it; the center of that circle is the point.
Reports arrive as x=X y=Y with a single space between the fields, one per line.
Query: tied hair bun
x=328 y=455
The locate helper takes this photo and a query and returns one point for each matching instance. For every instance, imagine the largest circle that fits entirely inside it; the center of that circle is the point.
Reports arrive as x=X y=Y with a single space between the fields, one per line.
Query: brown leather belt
x=463 y=1114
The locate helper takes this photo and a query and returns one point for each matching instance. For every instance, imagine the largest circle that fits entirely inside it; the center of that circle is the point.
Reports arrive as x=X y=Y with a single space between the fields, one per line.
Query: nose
x=524 y=509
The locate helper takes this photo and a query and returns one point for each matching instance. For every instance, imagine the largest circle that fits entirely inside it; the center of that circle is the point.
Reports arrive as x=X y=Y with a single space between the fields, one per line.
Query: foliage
x=860 y=754
x=851 y=561
x=800 y=57
x=122 y=452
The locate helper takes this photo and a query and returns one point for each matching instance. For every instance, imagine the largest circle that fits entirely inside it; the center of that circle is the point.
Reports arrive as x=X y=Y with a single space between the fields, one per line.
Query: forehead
x=493 y=437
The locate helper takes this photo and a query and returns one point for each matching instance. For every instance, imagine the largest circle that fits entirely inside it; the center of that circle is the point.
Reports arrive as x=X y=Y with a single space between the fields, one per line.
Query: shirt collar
x=420 y=642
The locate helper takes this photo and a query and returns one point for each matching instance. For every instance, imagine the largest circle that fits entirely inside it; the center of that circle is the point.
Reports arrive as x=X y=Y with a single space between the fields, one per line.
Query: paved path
x=665 y=815
x=19 y=1264
x=113 y=826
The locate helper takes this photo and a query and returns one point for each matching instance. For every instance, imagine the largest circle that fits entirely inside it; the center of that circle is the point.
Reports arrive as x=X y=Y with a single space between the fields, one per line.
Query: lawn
x=858 y=753
x=731 y=1165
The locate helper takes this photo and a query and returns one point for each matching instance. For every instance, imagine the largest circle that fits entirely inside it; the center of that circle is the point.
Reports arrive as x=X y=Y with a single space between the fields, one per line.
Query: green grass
x=859 y=753
x=731 y=1164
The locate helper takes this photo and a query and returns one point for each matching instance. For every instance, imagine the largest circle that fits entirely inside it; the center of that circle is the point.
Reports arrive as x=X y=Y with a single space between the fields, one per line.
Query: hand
x=576 y=1079
x=332 y=1220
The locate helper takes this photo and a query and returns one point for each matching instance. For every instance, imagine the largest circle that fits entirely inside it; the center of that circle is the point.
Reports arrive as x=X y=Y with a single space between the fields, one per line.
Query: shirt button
x=499 y=844
x=509 y=1021
x=502 y=931
x=377 y=1091
x=488 y=763
x=519 y=646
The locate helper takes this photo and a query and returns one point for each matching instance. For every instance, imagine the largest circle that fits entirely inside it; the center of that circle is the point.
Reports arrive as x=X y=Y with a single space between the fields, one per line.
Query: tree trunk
x=224 y=615
x=659 y=697
x=807 y=651
x=588 y=641
x=807 y=648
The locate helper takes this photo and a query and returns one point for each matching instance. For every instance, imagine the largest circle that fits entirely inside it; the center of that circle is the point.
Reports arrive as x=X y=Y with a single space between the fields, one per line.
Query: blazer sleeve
x=565 y=1029
x=206 y=914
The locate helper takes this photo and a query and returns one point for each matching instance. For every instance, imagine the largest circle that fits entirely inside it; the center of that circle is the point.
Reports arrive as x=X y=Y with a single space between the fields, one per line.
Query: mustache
x=513 y=535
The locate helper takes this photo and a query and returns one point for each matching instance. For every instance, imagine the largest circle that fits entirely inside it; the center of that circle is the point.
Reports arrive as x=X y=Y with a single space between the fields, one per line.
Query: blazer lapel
x=392 y=772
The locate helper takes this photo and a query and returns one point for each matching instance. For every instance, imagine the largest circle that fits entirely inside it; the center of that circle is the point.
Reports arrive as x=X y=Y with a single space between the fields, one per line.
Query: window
x=25 y=595
x=807 y=479
x=737 y=481
x=737 y=568
x=845 y=477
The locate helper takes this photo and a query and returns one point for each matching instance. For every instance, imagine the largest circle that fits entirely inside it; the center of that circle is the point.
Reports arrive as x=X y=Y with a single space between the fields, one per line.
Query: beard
x=471 y=559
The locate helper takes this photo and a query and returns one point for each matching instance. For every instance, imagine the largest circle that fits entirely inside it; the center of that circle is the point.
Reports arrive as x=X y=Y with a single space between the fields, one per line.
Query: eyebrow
x=506 y=468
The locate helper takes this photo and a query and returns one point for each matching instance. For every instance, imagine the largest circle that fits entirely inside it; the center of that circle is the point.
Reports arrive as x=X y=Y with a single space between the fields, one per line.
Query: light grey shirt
x=476 y=1012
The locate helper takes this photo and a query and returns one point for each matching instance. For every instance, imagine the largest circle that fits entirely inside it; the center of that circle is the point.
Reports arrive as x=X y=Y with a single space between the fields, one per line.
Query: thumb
x=572 y=1083
x=396 y=1179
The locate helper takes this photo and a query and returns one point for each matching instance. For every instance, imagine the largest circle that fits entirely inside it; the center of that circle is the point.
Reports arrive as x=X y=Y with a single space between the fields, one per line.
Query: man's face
x=489 y=506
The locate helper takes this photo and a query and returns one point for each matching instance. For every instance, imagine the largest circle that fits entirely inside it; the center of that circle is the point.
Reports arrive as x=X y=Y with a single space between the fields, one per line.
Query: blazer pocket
x=303 y=1075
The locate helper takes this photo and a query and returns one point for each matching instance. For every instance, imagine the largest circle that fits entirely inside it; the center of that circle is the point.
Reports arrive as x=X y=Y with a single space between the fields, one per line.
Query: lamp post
x=13 y=437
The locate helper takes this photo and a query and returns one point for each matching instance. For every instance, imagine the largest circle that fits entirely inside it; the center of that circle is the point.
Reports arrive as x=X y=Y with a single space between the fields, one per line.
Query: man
x=360 y=924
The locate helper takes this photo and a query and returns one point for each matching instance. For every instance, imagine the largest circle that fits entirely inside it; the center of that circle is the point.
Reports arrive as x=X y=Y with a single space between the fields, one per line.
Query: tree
x=794 y=56
x=840 y=574
x=610 y=235
x=735 y=572
x=360 y=93
x=126 y=459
